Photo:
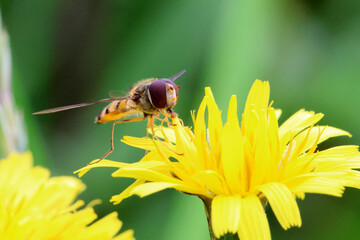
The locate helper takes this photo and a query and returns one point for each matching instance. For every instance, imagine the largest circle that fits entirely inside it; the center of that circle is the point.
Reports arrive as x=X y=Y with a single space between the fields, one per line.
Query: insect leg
x=151 y=122
x=174 y=114
x=164 y=120
x=170 y=113
x=147 y=133
x=112 y=136
x=181 y=122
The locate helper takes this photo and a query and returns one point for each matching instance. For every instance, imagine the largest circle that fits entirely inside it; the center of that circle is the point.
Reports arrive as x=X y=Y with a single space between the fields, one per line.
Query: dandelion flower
x=34 y=206
x=237 y=169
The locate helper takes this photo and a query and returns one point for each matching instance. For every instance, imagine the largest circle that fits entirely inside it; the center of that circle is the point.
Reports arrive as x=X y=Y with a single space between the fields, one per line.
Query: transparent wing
x=116 y=93
x=63 y=108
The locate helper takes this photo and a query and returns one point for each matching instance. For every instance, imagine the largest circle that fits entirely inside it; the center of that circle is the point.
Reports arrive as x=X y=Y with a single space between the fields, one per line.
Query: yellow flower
x=34 y=206
x=237 y=169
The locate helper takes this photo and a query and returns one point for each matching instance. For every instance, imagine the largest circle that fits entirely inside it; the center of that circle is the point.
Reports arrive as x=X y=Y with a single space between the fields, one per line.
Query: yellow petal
x=215 y=125
x=212 y=180
x=165 y=133
x=278 y=113
x=116 y=199
x=149 y=188
x=338 y=158
x=232 y=151
x=106 y=226
x=315 y=184
x=262 y=158
x=225 y=214
x=34 y=206
x=127 y=235
x=201 y=136
x=352 y=179
x=314 y=138
x=282 y=203
x=153 y=165
x=273 y=135
x=253 y=222
x=258 y=96
x=232 y=117
x=345 y=152
x=149 y=144
x=186 y=148
x=295 y=124
x=146 y=189
x=102 y=163
x=146 y=174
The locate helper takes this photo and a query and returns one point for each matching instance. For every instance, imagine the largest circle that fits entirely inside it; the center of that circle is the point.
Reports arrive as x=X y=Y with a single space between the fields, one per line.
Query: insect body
x=148 y=98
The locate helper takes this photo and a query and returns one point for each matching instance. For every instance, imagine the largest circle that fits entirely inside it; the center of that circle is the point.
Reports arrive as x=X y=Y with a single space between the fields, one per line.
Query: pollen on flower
x=237 y=168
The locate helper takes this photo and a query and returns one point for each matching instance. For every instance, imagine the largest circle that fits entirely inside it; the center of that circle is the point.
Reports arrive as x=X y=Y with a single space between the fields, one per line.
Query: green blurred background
x=67 y=52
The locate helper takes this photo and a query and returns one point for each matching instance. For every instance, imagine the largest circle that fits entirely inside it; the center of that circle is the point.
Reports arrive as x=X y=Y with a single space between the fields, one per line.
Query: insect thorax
x=143 y=102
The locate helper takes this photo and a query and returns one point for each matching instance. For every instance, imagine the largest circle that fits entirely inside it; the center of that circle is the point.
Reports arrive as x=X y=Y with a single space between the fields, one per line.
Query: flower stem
x=207 y=205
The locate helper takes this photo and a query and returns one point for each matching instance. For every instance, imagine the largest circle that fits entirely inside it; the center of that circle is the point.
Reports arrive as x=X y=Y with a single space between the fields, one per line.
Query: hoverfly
x=148 y=98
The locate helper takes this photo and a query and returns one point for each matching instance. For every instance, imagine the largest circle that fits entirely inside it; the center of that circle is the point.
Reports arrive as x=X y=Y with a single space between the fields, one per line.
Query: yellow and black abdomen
x=117 y=110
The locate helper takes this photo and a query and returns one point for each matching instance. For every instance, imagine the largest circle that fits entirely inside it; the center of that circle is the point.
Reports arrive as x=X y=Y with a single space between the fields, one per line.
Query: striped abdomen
x=117 y=110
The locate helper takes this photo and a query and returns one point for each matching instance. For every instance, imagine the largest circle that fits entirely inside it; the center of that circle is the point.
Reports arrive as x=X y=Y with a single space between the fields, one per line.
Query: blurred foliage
x=67 y=52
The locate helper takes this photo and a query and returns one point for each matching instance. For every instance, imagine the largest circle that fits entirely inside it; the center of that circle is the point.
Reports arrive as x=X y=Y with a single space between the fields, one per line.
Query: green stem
x=207 y=205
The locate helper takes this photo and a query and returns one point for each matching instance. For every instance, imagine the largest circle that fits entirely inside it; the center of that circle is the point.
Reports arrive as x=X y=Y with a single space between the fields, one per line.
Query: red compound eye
x=157 y=92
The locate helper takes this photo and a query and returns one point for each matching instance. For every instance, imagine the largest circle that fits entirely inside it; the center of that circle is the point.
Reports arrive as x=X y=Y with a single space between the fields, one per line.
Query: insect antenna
x=173 y=78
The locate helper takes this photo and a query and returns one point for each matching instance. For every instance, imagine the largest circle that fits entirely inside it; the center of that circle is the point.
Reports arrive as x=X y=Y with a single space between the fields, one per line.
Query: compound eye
x=157 y=93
